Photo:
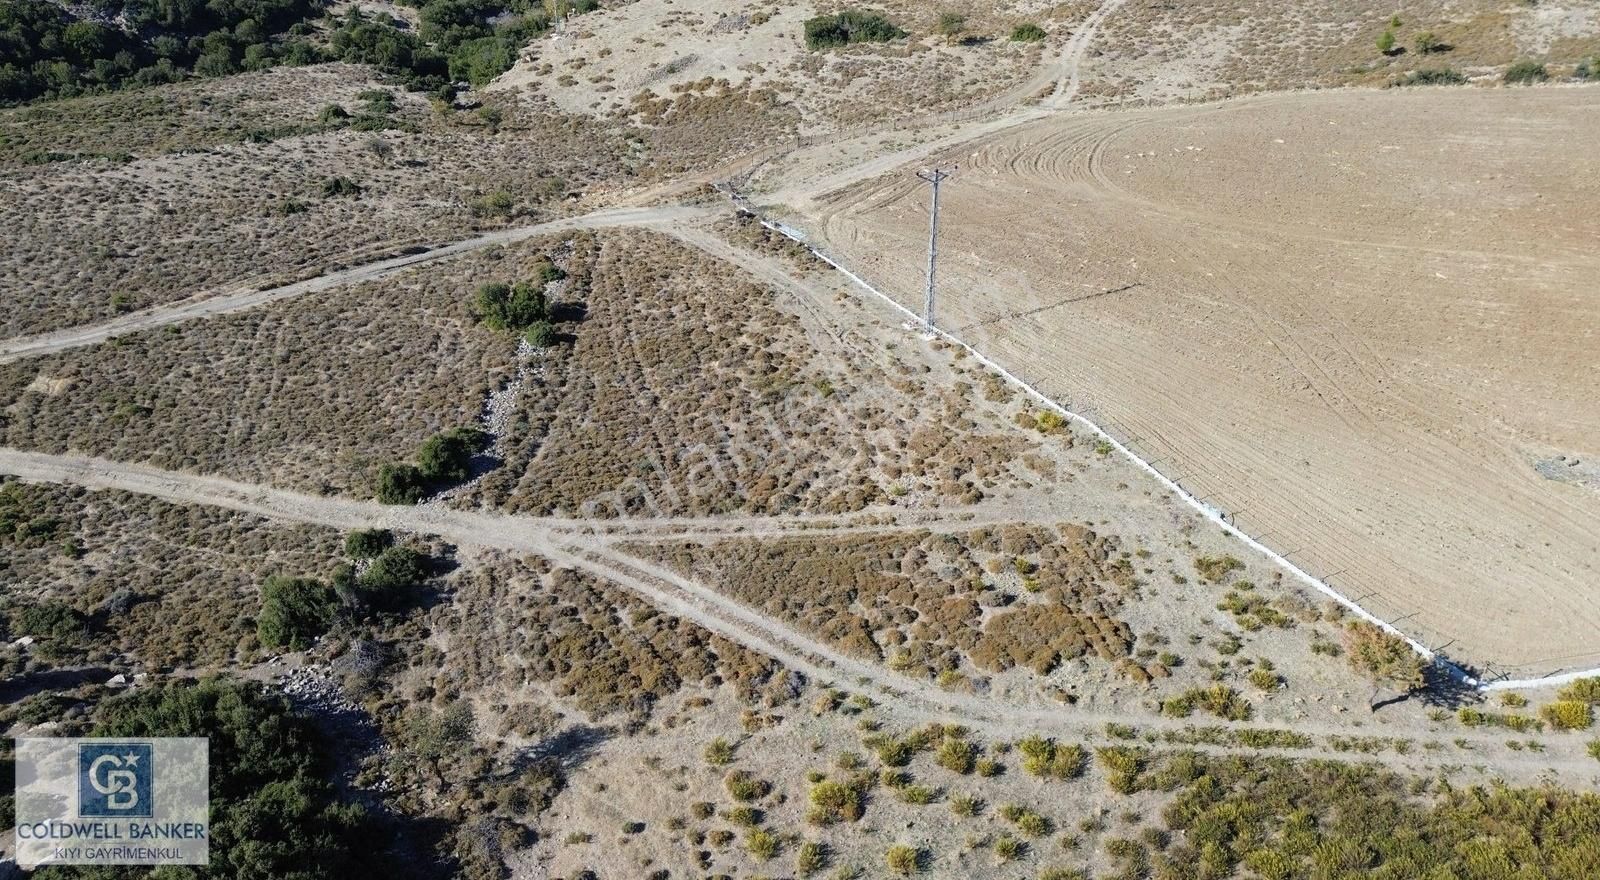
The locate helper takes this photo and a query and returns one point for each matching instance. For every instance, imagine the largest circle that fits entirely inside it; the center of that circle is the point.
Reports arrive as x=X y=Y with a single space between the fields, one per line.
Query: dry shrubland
x=314 y=393
x=688 y=390
x=1160 y=51
x=511 y=625
x=934 y=604
x=90 y=239
x=161 y=584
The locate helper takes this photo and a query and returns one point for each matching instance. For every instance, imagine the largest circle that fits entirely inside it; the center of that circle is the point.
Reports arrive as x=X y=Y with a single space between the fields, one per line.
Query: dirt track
x=1357 y=320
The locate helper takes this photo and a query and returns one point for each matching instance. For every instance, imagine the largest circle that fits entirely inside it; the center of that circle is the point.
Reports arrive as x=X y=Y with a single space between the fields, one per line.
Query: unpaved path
x=209 y=305
x=912 y=700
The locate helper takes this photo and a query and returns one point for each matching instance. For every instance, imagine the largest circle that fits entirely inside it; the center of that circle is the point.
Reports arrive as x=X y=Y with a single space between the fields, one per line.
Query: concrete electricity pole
x=935 y=177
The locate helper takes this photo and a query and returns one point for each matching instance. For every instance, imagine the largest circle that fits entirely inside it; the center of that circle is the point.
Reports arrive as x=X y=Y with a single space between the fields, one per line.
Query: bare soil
x=1354 y=321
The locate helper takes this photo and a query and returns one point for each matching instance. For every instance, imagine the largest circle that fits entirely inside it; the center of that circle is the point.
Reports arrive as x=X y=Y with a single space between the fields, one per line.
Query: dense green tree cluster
x=521 y=308
x=295 y=611
x=273 y=811
x=850 y=26
x=443 y=459
x=46 y=51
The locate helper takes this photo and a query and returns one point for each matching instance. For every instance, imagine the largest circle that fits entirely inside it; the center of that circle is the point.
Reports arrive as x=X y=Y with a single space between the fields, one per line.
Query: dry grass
x=510 y=625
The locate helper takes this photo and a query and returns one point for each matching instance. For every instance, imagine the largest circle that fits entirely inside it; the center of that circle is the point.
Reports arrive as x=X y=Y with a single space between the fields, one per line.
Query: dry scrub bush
x=598 y=647
x=916 y=600
x=1382 y=656
x=1232 y=47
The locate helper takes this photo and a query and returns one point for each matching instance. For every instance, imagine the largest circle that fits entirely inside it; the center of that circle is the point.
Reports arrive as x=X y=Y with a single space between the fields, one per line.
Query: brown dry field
x=1358 y=321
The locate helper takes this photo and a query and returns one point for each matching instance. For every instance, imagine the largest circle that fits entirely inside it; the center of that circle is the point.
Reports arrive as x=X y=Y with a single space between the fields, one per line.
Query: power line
x=935 y=177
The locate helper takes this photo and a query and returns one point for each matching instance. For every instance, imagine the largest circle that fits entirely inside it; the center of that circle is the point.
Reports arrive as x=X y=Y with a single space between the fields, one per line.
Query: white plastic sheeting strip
x=1205 y=510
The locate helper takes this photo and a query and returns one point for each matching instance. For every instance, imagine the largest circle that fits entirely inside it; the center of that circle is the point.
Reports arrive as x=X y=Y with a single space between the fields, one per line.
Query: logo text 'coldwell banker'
x=137 y=801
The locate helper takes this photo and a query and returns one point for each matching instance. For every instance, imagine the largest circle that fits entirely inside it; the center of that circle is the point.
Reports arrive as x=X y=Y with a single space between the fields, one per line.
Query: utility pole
x=935 y=177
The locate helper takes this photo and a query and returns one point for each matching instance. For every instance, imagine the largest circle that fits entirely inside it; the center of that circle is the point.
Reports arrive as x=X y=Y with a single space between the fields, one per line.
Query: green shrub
x=480 y=61
x=1585 y=690
x=335 y=187
x=1123 y=765
x=1046 y=758
x=1568 y=715
x=401 y=484
x=833 y=801
x=367 y=543
x=903 y=860
x=1386 y=41
x=1032 y=824
x=719 y=752
x=894 y=752
x=495 y=204
x=58 y=627
x=743 y=785
x=1427 y=43
x=541 y=334
x=1009 y=849
x=1215 y=568
x=273 y=811
x=811 y=858
x=1526 y=72
x=849 y=26
x=1435 y=76
x=956 y=755
x=1027 y=32
x=950 y=25
x=512 y=308
x=392 y=579
x=762 y=845
x=294 y=612
x=447 y=457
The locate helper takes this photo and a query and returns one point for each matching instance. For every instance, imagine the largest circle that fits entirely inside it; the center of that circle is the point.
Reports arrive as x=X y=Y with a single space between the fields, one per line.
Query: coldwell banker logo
x=115 y=780
x=113 y=801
